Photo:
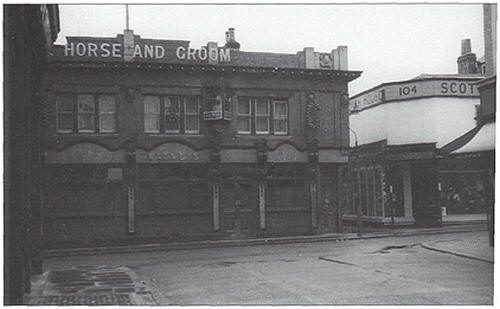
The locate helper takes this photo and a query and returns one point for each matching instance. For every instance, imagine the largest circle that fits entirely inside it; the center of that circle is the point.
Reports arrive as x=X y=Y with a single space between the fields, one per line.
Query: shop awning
x=483 y=140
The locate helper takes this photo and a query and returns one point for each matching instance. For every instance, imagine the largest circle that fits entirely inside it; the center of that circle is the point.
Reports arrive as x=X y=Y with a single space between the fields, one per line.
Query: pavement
x=107 y=276
x=381 y=233
x=477 y=248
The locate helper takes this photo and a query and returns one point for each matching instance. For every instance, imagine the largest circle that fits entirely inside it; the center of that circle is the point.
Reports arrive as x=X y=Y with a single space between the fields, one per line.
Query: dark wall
x=488 y=101
x=119 y=81
x=25 y=42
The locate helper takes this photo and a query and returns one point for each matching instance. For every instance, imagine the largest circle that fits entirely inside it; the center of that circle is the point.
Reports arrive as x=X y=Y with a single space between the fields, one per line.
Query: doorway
x=239 y=207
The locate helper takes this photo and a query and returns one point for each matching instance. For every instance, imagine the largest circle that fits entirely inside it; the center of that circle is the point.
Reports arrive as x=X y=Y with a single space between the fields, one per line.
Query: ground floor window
x=394 y=187
x=462 y=192
x=81 y=190
x=287 y=187
x=174 y=186
x=367 y=191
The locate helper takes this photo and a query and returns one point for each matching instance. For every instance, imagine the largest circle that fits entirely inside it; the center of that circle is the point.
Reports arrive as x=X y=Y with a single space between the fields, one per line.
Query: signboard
x=369 y=99
x=172 y=153
x=216 y=115
x=415 y=89
x=131 y=47
x=218 y=105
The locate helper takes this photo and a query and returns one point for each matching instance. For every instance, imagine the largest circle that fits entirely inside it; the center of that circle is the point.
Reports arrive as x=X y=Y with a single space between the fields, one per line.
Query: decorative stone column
x=131 y=183
x=261 y=178
x=313 y=180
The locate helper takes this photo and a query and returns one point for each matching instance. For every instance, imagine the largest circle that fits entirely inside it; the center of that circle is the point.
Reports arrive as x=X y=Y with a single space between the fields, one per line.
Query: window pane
x=86 y=122
x=151 y=105
x=86 y=103
x=243 y=124
x=172 y=104
x=106 y=113
x=172 y=114
x=280 y=126
x=280 y=109
x=262 y=124
x=244 y=106
x=151 y=123
x=171 y=126
x=152 y=114
x=261 y=107
x=107 y=104
x=65 y=122
x=191 y=125
x=107 y=123
x=191 y=103
x=65 y=103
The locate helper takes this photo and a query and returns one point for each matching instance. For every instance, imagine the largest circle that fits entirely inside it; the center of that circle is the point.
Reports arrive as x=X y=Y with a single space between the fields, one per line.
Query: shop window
x=367 y=192
x=85 y=113
x=287 y=187
x=262 y=116
x=173 y=186
x=172 y=114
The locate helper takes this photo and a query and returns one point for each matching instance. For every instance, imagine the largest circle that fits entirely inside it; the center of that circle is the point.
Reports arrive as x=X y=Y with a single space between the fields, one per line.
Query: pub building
x=402 y=172
x=154 y=140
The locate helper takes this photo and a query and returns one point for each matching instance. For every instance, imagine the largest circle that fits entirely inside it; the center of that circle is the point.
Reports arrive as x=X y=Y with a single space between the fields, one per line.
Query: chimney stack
x=467 y=62
x=231 y=40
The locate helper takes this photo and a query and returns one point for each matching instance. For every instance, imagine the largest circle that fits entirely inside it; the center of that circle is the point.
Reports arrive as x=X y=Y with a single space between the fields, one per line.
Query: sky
x=388 y=42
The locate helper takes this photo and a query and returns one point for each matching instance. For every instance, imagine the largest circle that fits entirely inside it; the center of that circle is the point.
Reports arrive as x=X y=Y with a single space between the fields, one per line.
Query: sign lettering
x=143 y=51
x=414 y=89
x=174 y=156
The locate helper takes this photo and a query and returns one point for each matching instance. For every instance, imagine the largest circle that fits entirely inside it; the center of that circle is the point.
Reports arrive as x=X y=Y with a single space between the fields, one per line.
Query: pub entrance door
x=239 y=205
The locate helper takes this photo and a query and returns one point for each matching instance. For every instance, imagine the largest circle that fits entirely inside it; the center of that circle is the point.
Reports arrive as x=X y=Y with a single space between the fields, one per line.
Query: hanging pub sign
x=217 y=105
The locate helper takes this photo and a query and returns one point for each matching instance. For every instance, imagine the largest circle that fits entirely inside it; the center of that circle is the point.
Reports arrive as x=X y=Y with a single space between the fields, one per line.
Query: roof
x=134 y=50
x=447 y=76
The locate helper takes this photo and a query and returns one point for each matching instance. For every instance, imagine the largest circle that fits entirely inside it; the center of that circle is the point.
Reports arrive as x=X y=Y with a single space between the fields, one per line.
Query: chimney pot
x=231 y=40
x=466 y=46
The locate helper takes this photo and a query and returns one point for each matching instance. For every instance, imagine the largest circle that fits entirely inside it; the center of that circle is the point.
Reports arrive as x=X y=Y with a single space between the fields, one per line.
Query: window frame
x=248 y=116
x=286 y=118
x=163 y=113
x=267 y=116
x=182 y=103
x=76 y=113
x=72 y=113
x=197 y=100
x=79 y=113
x=99 y=113
x=271 y=115
x=158 y=115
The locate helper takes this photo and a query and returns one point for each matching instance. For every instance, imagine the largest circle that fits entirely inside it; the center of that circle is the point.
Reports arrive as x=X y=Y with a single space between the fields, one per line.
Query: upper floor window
x=262 y=116
x=85 y=113
x=172 y=114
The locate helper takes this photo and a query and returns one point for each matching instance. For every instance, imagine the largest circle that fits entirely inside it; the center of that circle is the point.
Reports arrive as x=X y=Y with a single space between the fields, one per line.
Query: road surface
x=395 y=270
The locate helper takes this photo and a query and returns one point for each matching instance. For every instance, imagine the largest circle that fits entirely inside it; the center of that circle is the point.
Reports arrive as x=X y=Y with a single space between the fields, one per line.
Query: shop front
x=393 y=186
x=161 y=146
